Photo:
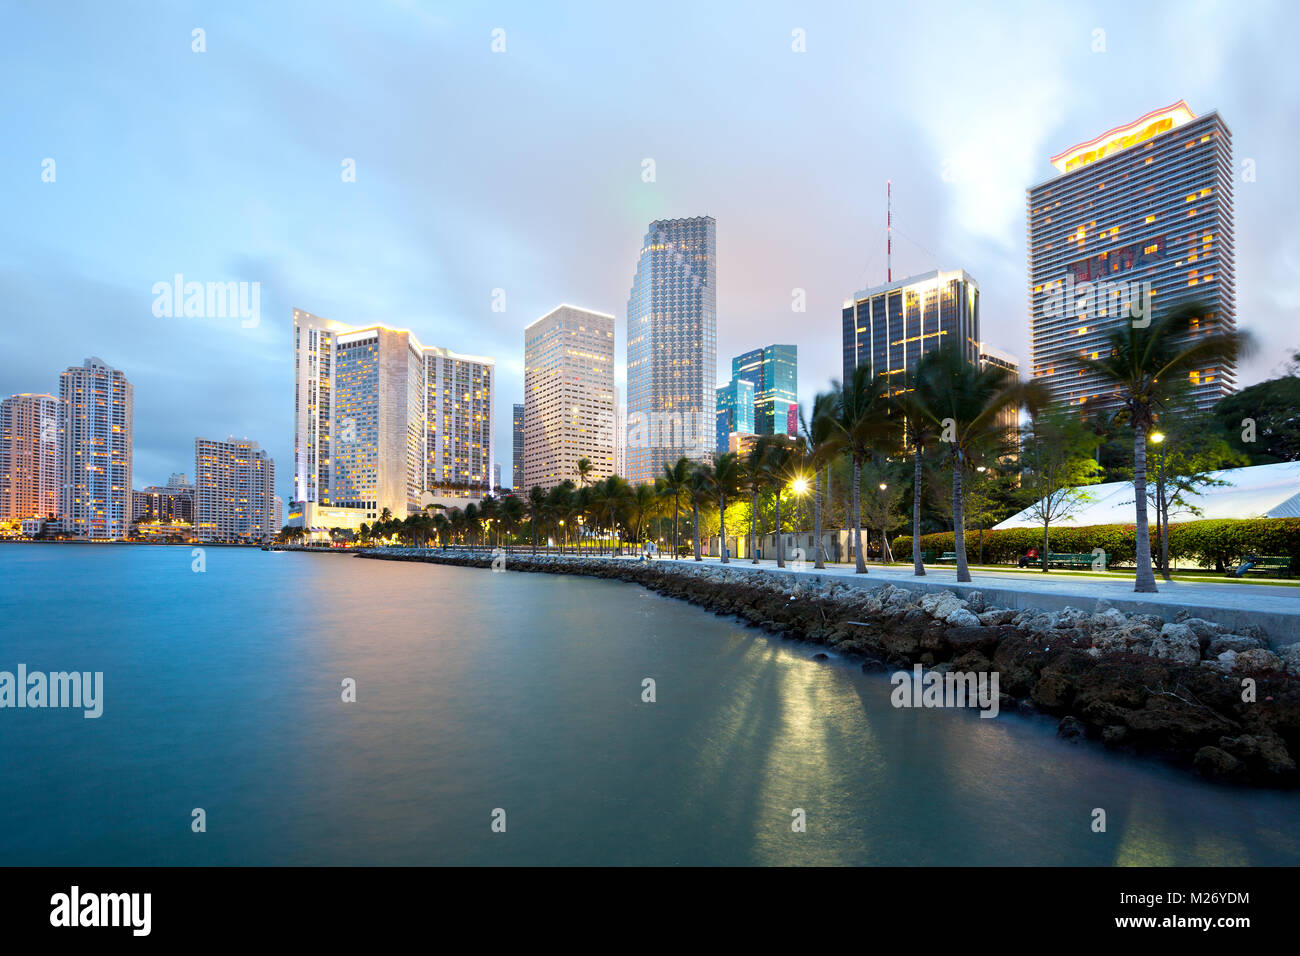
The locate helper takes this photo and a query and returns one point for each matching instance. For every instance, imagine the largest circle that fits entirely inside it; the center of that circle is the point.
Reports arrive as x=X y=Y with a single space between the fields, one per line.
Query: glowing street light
x=799 y=486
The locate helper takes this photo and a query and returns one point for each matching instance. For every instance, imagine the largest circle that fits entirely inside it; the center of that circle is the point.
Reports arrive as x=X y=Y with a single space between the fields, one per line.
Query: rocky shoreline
x=1179 y=690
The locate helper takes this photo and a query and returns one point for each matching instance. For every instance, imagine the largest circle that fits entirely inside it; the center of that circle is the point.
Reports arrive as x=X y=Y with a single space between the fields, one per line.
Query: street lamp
x=1162 y=529
x=885 y=554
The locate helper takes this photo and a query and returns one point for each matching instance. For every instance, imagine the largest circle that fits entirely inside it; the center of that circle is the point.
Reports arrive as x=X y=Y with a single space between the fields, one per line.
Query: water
x=479 y=691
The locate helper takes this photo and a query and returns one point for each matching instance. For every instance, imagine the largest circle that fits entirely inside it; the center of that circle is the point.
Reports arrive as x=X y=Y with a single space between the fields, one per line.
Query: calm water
x=521 y=691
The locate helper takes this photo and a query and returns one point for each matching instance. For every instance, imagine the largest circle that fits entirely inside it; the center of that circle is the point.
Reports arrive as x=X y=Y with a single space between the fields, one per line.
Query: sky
x=503 y=146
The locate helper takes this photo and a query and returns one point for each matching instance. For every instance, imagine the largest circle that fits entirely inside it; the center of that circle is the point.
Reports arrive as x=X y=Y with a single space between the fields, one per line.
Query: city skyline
x=421 y=238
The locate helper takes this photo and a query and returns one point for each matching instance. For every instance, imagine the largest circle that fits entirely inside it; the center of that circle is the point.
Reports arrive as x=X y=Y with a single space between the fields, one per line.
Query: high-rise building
x=672 y=347
x=774 y=372
x=234 y=491
x=889 y=327
x=568 y=395
x=165 y=504
x=1137 y=221
x=620 y=435
x=1009 y=417
x=517 y=461
x=382 y=422
x=96 y=411
x=29 y=457
x=735 y=412
x=178 y=479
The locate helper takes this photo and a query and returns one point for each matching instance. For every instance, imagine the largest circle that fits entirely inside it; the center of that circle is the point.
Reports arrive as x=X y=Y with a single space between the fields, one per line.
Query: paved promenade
x=1272 y=607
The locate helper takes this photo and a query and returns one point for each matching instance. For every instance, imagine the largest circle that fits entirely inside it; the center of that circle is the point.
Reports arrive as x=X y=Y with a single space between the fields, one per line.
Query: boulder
x=1257 y=659
x=996 y=616
x=1216 y=763
x=975 y=601
x=1291 y=659
x=1177 y=642
x=1072 y=729
x=1232 y=642
x=962 y=617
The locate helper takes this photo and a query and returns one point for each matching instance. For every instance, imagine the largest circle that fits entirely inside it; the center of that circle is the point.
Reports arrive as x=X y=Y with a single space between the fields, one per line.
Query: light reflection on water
x=522 y=691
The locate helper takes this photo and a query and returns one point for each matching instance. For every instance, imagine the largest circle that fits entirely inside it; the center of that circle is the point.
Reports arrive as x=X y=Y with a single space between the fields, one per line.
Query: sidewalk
x=1274 y=608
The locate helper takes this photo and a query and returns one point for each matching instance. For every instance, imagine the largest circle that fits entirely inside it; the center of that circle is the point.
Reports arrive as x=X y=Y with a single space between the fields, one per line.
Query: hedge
x=1216 y=543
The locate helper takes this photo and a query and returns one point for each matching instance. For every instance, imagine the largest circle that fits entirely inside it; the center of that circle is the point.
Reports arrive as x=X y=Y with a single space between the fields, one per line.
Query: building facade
x=1136 y=222
x=30 y=468
x=889 y=327
x=672 y=347
x=568 y=396
x=517 y=460
x=774 y=372
x=96 y=414
x=163 y=504
x=735 y=412
x=383 y=423
x=234 y=491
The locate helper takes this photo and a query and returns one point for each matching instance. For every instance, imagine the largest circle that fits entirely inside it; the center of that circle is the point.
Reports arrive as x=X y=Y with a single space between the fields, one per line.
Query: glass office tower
x=774 y=370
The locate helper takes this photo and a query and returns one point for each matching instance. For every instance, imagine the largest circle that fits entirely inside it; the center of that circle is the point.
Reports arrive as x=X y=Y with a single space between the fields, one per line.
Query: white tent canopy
x=1259 y=491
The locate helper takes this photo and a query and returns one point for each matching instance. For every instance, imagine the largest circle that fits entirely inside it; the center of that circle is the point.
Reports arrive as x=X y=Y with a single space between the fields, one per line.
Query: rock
x=1215 y=763
x=821 y=657
x=1264 y=754
x=1205 y=631
x=1071 y=617
x=873 y=664
x=996 y=616
x=1072 y=729
x=1114 y=734
x=946 y=606
x=1291 y=659
x=1232 y=642
x=1109 y=619
x=1257 y=659
x=1028 y=707
x=931 y=599
x=975 y=601
x=961 y=617
x=1177 y=642
x=1102 y=606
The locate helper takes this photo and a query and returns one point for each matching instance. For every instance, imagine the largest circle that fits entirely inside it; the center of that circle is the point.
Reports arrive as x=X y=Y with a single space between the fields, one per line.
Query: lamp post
x=885 y=554
x=981 y=469
x=1162 y=519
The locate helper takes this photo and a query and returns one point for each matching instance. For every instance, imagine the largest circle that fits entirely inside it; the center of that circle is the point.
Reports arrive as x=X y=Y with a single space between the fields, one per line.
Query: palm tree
x=512 y=512
x=819 y=450
x=785 y=466
x=917 y=405
x=674 y=482
x=964 y=406
x=487 y=512
x=699 y=484
x=726 y=477
x=615 y=496
x=862 y=423
x=642 y=506
x=471 y=523
x=754 y=478
x=583 y=472
x=536 y=511
x=1145 y=365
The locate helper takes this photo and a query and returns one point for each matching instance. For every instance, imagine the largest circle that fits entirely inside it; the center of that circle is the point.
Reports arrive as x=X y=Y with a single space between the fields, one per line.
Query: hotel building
x=774 y=372
x=382 y=422
x=29 y=457
x=568 y=396
x=735 y=412
x=163 y=504
x=889 y=327
x=234 y=491
x=672 y=347
x=517 y=460
x=1143 y=206
x=96 y=410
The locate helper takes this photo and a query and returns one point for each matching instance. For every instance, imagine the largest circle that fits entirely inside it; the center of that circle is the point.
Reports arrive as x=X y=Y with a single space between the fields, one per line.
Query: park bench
x=947 y=556
x=1062 y=560
x=1264 y=564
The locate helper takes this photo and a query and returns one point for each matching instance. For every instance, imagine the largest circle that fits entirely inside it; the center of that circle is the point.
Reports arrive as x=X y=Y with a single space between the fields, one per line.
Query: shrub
x=1215 y=543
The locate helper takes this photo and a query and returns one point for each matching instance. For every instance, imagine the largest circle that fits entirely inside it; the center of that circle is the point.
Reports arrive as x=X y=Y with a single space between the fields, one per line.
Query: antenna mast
x=889 y=230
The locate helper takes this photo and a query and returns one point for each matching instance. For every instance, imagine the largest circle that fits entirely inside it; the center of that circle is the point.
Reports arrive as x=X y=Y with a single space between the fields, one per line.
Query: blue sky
x=522 y=170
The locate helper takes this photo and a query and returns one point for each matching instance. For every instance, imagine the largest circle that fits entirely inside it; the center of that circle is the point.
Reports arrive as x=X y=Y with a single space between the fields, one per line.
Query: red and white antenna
x=889 y=230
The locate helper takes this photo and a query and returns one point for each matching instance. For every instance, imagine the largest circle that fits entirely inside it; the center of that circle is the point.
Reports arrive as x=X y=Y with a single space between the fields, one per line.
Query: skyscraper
x=774 y=372
x=234 y=491
x=568 y=395
x=1136 y=222
x=672 y=347
x=29 y=457
x=381 y=421
x=889 y=327
x=96 y=410
x=517 y=461
x=735 y=412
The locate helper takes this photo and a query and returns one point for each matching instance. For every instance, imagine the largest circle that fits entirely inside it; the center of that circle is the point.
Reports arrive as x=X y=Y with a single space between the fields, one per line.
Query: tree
x=862 y=422
x=1143 y=364
x=917 y=405
x=754 y=478
x=965 y=408
x=726 y=476
x=583 y=472
x=673 y=483
x=642 y=506
x=820 y=450
x=512 y=512
x=1264 y=420
x=536 y=508
x=1057 y=450
x=699 y=489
